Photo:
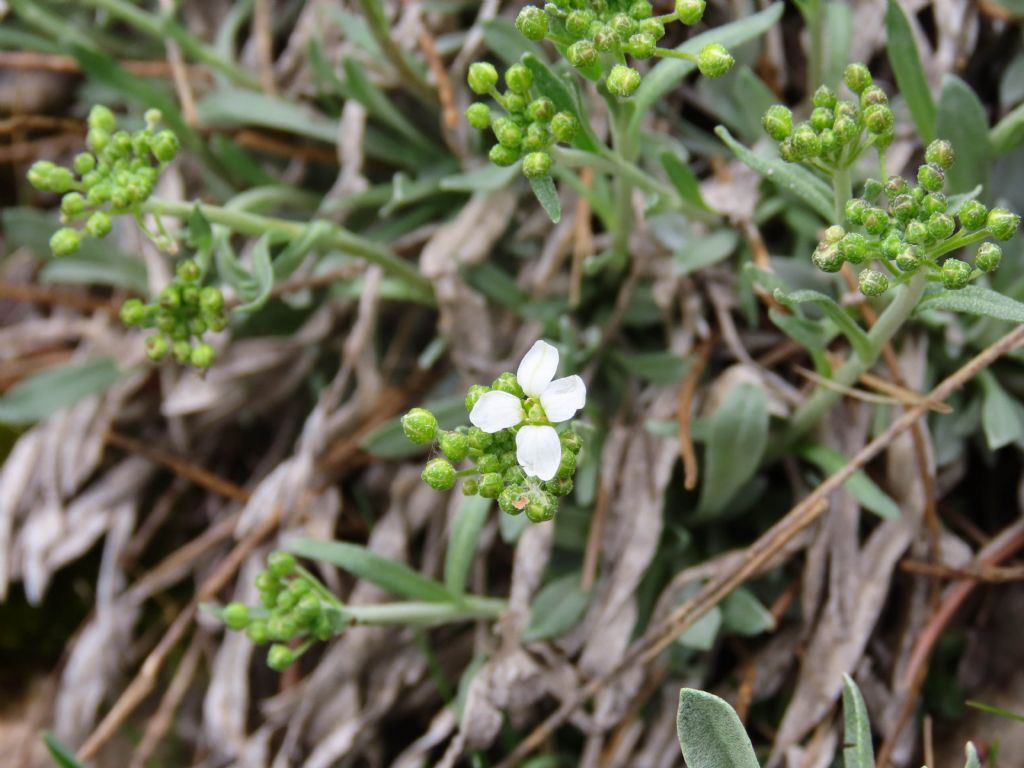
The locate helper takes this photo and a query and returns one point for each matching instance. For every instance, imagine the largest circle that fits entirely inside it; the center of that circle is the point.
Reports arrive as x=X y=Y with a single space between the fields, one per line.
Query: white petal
x=537 y=368
x=497 y=410
x=563 y=397
x=538 y=451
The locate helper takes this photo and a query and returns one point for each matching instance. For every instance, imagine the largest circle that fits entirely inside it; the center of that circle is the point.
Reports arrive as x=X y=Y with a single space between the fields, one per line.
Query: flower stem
x=334 y=236
x=671 y=53
x=469 y=608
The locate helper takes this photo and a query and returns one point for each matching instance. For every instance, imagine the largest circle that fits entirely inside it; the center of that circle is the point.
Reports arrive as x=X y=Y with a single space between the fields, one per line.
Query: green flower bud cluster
x=596 y=36
x=291 y=608
x=530 y=125
x=494 y=471
x=182 y=313
x=837 y=131
x=905 y=228
x=116 y=175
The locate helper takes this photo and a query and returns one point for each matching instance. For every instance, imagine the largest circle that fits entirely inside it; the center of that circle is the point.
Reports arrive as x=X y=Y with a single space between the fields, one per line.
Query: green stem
x=671 y=53
x=842 y=191
x=959 y=240
x=816 y=27
x=625 y=148
x=164 y=27
x=469 y=608
x=889 y=322
x=334 y=236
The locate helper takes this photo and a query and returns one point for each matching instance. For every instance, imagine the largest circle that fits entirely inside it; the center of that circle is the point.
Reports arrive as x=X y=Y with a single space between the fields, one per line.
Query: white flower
x=538 y=450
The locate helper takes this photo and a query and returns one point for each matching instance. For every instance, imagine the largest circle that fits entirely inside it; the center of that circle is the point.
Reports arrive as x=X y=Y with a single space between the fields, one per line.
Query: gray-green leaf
x=544 y=189
x=462 y=542
x=711 y=734
x=556 y=609
x=858 y=751
x=975 y=300
x=971 y=754
x=962 y=120
x=906 y=64
x=44 y=394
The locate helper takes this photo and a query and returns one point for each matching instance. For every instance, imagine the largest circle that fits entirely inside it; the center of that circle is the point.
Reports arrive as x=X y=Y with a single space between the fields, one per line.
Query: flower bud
x=1002 y=224
x=507 y=133
x=439 y=474
x=538 y=137
x=474 y=394
x=940 y=153
x=873 y=96
x=577 y=23
x=642 y=45
x=834 y=234
x=973 y=215
x=286 y=601
x=941 y=226
x=537 y=165
x=853 y=248
x=873 y=283
x=855 y=210
x=827 y=258
x=72 y=205
x=280 y=657
x=714 y=60
x=567 y=465
x=153 y=118
x=908 y=259
x=257 y=632
x=876 y=221
x=542 y=110
x=654 y=27
x=507 y=382
x=515 y=103
x=821 y=119
x=84 y=163
x=280 y=564
x=879 y=119
x=489 y=462
x=935 y=202
x=236 y=616
x=156 y=348
x=845 y=129
x=202 y=356
x=904 y=208
x=102 y=118
x=133 y=312
x=308 y=609
x=514 y=475
x=482 y=77
x=491 y=485
x=532 y=23
x=65 y=241
x=165 y=146
x=931 y=177
x=559 y=486
x=512 y=499
x=503 y=156
x=571 y=440
x=622 y=25
x=211 y=300
x=896 y=186
x=788 y=152
x=470 y=487
x=541 y=507
x=824 y=97
x=420 y=426
x=989 y=256
x=641 y=9
x=39 y=175
x=956 y=274
x=858 y=78
x=623 y=81
x=778 y=122
x=564 y=127
x=98 y=225
x=582 y=55
x=690 y=11
x=916 y=232
x=268 y=583
x=806 y=142
x=454 y=445
x=478 y=115
x=605 y=39
x=519 y=79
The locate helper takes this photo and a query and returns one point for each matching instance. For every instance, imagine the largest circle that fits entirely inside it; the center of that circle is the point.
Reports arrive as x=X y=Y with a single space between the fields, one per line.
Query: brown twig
x=684 y=415
x=287 y=148
x=69 y=65
x=992 y=575
x=179 y=74
x=761 y=551
x=592 y=554
x=145 y=681
x=263 y=32
x=198 y=475
x=56 y=297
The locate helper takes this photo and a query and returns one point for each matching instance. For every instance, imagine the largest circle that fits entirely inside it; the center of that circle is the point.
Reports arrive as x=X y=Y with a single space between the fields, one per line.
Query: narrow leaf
x=546 y=194
x=1008 y=133
x=262 y=277
x=557 y=608
x=789 y=176
x=44 y=394
x=962 y=120
x=860 y=486
x=906 y=64
x=743 y=614
x=975 y=300
x=462 y=542
x=739 y=428
x=847 y=325
x=397 y=578
x=1000 y=414
x=683 y=179
x=858 y=751
x=711 y=734
x=60 y=753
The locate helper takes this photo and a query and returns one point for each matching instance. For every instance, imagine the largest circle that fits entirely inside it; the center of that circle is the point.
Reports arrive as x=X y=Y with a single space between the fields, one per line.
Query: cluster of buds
x=531 y=124
x=292 y=609
x=597 y=36
x=115 y=176
x=517 y=455
x=837 y=131
x=182 y=313
x=907 y=227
